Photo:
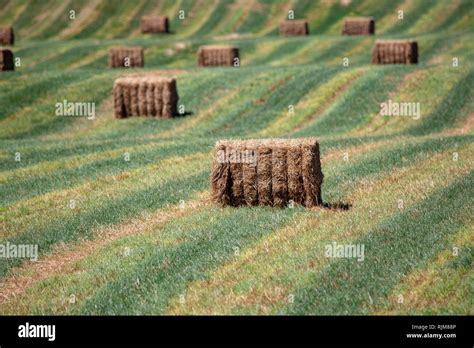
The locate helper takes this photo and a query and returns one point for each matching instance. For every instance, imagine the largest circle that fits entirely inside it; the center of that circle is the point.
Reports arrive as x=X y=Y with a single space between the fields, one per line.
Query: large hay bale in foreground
x=126 y=57
x=267 y=172
x=6 y=60
x=145 y=96
x=6 y=36
x=359 y=26
x=154 y=24
x=395 y=52
x=294 y=27
x=217 y=55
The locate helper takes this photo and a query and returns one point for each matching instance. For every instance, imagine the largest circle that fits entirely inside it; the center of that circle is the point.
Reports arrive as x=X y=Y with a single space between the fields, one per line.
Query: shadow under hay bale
x=294 y=27
x=6 y=60
x=7 y=38
x=395 y=52
x=338 y=206
x=359 y=26
x=154 y=24
x=126 y=57
x=218 y=56
x=154 y=96
x=267 y=172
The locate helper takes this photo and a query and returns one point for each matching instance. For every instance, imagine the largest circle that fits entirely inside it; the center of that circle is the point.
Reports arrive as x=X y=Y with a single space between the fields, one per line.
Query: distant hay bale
x=6 y=36
x=294 y=27
x=395 y=52
x=154 y=24
x=145 y=96
x=6 y=60
x=126 y=57
x=266 y=172
x=359 y=26
x=217 y=55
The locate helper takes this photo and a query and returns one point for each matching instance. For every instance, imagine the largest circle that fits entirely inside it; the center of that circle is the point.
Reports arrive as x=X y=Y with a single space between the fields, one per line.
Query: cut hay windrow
x=218 y=55
x=395 y=52
x=154 y=24
x=6 y=36
x=294 y=27
x=126 y=57
x=154 y=96
x=6 y=60
x=267 y=172
x=359 y=26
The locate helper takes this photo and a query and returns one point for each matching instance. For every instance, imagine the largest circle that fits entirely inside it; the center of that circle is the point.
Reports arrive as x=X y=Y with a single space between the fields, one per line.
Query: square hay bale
x=266 y=172
x=294 y=27
x=359 y=26
x=154 y=96
x=6 y=36
x=217 y=55
x=154 y=24
x=6 y=60
x=395 y=52
x=126 y=57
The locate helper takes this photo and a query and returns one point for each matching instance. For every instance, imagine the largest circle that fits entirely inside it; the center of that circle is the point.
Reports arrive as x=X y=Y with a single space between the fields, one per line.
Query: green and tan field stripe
x=377 y=123
x=47 y=18
x=306 y=50
x=197 y=17
x=300 y=55
x=12 y=10
x=270 y=48
x=89 y=58
x=421 y=91
x=268 y=81
x=56 y=204
x=24 y=116
x=360 y=49
x=434 y=15
x=391 y=18
x=312 y=104
x=71 y=162
x=26 y=121
x=263 y=48
x=119 y=21
x=80 y=277
x=40 y=56
x=450 y=50
x=86 y=16
x=62 y=259
x=464 y=126
x=417 y=87
x=238 y=11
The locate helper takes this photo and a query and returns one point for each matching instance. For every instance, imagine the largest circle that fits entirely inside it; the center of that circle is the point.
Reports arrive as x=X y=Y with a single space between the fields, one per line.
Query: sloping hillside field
x=107 y=215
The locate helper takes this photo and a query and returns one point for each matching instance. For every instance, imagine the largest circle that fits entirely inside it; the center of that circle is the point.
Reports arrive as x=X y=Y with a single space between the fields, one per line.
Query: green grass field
x=141 y=236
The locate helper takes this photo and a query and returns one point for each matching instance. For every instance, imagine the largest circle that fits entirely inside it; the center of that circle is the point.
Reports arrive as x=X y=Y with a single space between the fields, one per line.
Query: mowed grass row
x=413 y=242
x=358 y=109
x=140 y=236
x=51 y=19
x=443 y=286
x=105 y=200
x=188 y=250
